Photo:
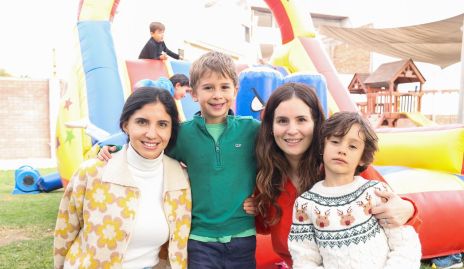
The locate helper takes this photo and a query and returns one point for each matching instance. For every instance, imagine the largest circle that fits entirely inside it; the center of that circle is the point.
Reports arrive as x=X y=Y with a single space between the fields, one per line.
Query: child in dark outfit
x=155 y=47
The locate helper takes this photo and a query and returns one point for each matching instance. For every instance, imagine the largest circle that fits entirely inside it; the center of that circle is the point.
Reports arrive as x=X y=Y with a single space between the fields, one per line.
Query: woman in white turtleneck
x=121 y=214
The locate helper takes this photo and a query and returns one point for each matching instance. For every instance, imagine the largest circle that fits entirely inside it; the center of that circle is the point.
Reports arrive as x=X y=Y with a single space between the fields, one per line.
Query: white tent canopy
x=437 y=42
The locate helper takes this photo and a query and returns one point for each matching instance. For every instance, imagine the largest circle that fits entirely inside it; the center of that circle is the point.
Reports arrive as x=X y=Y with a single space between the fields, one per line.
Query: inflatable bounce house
x=424 y=164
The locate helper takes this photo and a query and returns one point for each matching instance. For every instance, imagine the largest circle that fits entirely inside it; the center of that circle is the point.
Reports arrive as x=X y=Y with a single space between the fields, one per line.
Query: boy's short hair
x=154 y=26
x=212 y=62
x=340 y=123
x=182 y=79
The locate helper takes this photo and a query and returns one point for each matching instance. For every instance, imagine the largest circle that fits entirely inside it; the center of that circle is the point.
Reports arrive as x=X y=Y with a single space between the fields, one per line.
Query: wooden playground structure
x=385 y=104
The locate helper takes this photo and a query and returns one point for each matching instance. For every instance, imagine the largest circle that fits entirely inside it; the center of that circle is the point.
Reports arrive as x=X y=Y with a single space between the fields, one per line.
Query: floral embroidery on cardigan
x=95 y=218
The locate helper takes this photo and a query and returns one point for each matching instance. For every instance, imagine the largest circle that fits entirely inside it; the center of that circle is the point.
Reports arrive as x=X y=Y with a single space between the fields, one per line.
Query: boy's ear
x=194 y=95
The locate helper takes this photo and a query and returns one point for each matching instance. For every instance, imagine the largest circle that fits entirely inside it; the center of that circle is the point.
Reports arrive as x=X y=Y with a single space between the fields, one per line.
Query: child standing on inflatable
x=219 y=151
x=155 y=48
x=333 y=226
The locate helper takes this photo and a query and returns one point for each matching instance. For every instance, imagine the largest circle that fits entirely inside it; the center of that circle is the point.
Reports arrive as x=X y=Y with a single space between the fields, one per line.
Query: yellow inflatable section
x=72 y=144
x=435 y=149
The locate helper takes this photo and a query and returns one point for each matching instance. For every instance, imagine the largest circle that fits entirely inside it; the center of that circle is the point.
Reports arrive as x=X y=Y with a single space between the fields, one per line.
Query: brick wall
x=24 y=118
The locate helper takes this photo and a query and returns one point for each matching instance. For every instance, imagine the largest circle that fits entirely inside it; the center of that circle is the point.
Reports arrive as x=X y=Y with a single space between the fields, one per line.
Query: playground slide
x=418 y=118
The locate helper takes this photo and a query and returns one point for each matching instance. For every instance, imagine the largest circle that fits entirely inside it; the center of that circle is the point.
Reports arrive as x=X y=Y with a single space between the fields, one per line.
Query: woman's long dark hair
x=273 y=167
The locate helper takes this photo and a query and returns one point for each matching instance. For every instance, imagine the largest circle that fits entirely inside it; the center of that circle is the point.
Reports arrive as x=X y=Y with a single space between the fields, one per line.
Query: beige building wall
x=347 y=59
x=24 y=119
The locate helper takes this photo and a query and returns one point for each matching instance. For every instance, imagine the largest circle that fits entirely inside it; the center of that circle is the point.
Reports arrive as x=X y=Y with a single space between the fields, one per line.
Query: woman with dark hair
x=289 y=164
x=124 y=213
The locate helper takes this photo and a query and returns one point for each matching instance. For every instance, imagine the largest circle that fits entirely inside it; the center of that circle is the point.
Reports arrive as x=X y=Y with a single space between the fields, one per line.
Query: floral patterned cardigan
x=98 y=210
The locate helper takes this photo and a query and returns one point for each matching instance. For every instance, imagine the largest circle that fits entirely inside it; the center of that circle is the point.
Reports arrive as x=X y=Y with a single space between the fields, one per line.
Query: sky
x=35 y=35
x=30 y=30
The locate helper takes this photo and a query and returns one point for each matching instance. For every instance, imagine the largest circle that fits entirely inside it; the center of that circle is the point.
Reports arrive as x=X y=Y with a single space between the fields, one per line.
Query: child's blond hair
x=212 y=62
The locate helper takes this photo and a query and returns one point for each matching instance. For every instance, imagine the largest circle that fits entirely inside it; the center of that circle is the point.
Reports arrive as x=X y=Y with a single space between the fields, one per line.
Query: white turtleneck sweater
x=150 y=230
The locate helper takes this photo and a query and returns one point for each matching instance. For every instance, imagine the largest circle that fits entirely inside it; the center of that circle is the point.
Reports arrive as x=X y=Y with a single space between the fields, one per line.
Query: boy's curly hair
x=340 y=123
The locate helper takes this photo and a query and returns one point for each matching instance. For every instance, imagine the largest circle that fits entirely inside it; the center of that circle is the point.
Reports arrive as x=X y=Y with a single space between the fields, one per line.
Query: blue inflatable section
x=385 y=170
x=29 y=181
x=258 y=83
x=50 y=182
x=180 y=67
x=315 y=81
x=189 y=107
x=101 y=72
x=118 y=138
x=282 y=70
x=255 y=86
x=162 y=83
x=26 y=179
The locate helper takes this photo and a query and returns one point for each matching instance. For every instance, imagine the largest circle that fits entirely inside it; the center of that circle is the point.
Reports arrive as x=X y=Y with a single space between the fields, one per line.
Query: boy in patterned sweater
x=332 y=223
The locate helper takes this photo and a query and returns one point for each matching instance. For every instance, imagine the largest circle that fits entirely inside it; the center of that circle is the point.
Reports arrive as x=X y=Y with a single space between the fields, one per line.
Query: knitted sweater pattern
x=334 y=228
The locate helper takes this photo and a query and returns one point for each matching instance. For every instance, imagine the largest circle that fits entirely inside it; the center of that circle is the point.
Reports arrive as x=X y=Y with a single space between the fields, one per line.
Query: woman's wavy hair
x=273 y=167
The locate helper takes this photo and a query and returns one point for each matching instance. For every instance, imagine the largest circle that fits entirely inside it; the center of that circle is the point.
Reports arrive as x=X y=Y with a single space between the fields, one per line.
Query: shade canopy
x=437 y=42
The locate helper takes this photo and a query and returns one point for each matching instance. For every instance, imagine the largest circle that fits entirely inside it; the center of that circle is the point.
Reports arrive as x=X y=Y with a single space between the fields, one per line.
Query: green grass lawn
x=27 y=223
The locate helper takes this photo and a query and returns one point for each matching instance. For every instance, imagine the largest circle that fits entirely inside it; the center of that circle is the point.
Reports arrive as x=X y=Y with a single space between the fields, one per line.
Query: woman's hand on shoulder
x=105 y=153
x=394 y=212
x=249 y=206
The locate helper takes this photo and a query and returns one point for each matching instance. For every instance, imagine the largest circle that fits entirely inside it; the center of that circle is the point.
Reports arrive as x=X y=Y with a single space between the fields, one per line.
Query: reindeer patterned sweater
x=333 y=228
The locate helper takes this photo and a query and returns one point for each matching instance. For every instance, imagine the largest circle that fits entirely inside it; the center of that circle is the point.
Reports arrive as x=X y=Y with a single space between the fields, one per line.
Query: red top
x=279 y=231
